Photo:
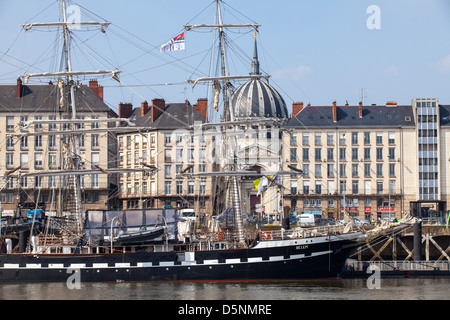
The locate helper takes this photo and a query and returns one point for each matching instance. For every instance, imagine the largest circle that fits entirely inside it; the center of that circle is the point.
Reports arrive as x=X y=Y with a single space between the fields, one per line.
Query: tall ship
x=162 y=244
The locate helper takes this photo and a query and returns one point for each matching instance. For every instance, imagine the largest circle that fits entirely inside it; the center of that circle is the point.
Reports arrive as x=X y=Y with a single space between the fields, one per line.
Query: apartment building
x=165 y=139
x=38 y=147
x=361 y=158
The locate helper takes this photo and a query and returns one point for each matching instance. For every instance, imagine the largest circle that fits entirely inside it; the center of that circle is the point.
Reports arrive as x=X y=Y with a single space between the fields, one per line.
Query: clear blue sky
x=316 y=51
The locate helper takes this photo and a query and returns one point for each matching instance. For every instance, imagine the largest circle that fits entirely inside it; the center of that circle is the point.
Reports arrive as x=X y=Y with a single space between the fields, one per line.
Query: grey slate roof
x=348 y=116
x=175 y=116
x=45 y=98
x=178 y=115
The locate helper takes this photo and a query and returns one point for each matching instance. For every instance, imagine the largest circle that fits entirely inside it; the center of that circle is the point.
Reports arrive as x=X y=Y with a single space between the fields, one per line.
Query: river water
x=347 y=289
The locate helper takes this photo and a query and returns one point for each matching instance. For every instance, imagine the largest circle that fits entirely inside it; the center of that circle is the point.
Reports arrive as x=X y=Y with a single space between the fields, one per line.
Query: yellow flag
x=257 y=182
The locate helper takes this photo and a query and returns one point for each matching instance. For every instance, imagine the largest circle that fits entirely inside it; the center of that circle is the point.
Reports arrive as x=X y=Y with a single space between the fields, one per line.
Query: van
x=306 y=220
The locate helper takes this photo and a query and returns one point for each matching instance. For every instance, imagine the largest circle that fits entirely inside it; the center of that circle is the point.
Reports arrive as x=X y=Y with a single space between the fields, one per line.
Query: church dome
x=257 y=98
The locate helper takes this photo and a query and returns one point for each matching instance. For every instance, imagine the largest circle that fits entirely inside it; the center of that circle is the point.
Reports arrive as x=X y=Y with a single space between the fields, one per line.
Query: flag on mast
x=175 y=44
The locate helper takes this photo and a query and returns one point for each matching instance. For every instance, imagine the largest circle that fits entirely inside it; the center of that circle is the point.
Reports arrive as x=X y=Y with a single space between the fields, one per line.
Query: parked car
x=360 y=222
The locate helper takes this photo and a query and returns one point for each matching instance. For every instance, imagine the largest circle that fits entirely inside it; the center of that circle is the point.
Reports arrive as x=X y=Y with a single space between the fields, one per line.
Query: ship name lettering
x=301 y=247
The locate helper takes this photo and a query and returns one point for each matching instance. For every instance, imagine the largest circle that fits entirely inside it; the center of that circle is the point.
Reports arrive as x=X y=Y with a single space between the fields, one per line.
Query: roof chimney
x=296 y=108
x=391 y=103
x=158 y=106
x=125 y=110
x=202 y=107
x=19 y=88
x=144 y=108
x=93 y=84
x=360 y=110
x=334 y=111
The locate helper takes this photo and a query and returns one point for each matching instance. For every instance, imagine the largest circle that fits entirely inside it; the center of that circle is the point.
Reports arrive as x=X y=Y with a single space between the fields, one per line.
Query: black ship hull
x=319 y=257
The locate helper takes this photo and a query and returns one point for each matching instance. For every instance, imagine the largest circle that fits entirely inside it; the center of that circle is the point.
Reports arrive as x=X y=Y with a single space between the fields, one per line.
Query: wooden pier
x=404 y=255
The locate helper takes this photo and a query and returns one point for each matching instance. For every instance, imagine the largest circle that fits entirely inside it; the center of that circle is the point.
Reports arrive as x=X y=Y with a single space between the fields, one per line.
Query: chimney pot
x=202 y=107
x=158 y=107
x=296 y=108
x=144 y=108
x=360 y=110
x=334 y=111
x=19 y=88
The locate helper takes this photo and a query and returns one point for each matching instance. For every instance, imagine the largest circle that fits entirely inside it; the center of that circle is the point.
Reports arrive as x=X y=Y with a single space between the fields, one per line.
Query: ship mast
x=228 y=113
x=72 y=150
x=73 y=155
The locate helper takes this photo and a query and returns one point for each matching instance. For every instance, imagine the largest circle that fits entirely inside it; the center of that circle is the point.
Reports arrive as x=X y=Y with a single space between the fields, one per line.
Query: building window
x=318 y=170
x=24 y=161
x=367 y=187
x=305 y=187
x=367 y=169
x=95 y=141
x=305 y=154
x=293 y=156
x=167 y=139
x=168 y=188
x=331 y=187
x=391 y=137
x=293 y=139
x=379 y=169
x=379 y=154
x=342 y=139
x=354 y=154
x=305 y=139
x=354 y=138
x=9 y=123
x=190 y=187
x=179 y=187
x=202 y=189
x=391 y=153
x=9 y=160
x=330 y=154
x=318 y=187
x=95 y=160
x=306 y=170
x=9 y=142
x=379 y=187
x=330 y=139
x=51 y=161
x=342 y=186
x=342 y=170
x=330 y=170
x=366 y=137
x=379 y=138
x=391 y=186
x=355 y=187
x=342 y=154
x=293 y=187
x=318 y=139
x=38 y=142
x=366 y=154
x=94 y=181
x=318 y=154
x=168 y=171
x=52 y=142
x=392 y=169
x=38 y=160
x=354 y=170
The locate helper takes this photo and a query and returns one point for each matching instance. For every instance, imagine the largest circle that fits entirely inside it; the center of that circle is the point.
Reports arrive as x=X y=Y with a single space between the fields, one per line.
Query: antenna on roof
x=362 y=95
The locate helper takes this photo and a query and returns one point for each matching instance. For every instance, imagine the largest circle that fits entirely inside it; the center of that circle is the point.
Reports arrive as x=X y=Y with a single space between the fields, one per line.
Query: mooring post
x=418 y=241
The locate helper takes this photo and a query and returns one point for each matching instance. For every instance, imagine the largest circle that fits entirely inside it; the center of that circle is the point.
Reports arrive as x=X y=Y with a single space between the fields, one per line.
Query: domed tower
x=257 y=98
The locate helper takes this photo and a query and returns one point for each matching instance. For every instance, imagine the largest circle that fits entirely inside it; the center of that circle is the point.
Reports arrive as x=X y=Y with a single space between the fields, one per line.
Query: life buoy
x=267 y=235
x=221 y=235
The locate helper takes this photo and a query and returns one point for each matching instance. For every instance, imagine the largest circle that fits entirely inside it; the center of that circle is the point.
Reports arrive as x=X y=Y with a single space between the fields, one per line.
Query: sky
x=315 y=51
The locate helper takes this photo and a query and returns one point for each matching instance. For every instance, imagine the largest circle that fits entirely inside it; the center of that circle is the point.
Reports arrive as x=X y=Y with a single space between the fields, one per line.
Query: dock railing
x=398 y=265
